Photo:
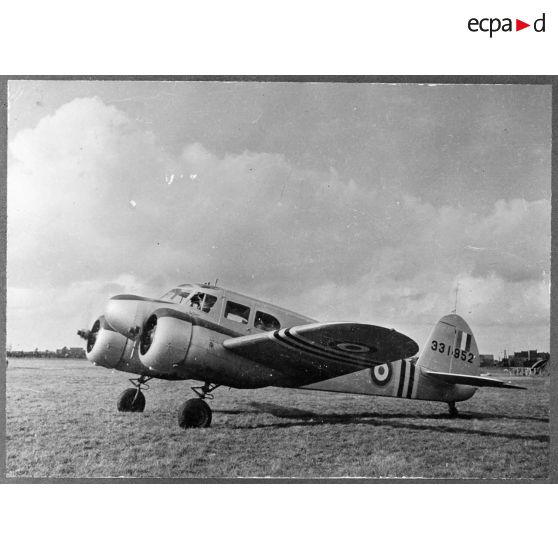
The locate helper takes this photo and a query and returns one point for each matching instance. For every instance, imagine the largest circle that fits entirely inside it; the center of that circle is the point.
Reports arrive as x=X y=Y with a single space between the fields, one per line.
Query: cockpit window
x=177 y=295
x=202 y=301
x=237 y=312
x=208 y=302
x=267 y=322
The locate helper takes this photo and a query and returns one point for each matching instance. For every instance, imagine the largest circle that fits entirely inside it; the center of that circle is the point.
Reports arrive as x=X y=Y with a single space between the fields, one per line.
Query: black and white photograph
x=267 y=278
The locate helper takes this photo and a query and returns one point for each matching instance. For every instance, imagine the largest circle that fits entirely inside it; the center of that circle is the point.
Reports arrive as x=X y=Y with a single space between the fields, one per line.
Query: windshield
x=177 y=295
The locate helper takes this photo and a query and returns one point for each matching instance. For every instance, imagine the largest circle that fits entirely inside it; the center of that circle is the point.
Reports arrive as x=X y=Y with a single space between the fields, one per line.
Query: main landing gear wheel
x=131 y=400
x=453 y=412
x=194 y=413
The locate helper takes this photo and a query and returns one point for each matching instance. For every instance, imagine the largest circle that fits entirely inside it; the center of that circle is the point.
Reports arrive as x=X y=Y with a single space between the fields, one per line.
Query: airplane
x=222 y=338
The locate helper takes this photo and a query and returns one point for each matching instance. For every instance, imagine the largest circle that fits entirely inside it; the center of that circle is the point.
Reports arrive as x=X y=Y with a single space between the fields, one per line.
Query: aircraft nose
x=126 y=314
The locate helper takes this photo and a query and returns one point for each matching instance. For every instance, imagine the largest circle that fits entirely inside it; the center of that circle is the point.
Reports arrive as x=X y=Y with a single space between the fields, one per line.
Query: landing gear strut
x=132 y=400
x=196 y=413
x=453 y=412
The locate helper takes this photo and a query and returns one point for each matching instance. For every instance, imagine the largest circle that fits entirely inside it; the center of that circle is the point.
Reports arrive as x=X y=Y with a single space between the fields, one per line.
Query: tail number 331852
x=457 y=353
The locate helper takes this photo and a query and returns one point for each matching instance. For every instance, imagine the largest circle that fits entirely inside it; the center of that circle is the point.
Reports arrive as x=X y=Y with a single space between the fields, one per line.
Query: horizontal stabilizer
x=464 y=379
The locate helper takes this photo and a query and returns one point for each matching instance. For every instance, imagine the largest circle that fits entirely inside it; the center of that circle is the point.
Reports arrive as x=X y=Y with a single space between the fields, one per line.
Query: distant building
x=526 y=358
x=522 y=359
x=487 y=360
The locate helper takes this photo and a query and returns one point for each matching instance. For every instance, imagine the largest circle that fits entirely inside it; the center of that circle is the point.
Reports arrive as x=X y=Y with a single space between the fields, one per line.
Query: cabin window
x=202 y=301
x=267 y=322
x=237 y=312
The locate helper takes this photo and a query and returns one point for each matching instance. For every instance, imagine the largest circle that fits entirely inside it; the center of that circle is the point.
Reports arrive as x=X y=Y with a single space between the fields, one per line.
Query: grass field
x=62 y=422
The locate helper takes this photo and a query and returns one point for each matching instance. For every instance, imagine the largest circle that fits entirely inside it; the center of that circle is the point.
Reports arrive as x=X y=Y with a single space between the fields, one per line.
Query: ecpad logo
x=492 y=25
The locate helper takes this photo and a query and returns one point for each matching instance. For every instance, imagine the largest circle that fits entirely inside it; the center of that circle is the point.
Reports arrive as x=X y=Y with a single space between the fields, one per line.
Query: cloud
x=97 y=206
x=514 y=240
x=48 y=317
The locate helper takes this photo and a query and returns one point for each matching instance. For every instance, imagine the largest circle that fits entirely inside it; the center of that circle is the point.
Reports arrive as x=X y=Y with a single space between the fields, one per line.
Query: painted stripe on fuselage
x=401 y=378
x=416 y=382
x=406 y=385
x=407 y=377
x=411 y=381
x=468 y=343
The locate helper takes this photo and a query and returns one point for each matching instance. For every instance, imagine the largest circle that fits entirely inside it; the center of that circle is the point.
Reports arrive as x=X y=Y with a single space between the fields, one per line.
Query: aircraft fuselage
x=194 y=344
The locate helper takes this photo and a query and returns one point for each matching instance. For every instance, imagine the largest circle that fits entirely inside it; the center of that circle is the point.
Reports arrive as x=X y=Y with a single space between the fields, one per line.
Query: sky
x=390 y=204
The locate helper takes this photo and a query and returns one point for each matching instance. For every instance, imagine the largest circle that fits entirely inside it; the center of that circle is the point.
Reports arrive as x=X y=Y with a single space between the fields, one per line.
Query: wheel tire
x=194 y=413
x=453 y=412
x=131 y=400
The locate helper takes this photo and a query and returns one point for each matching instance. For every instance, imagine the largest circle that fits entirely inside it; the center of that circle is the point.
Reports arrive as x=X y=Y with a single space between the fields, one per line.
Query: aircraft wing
x=313 y=352
x=464 y=379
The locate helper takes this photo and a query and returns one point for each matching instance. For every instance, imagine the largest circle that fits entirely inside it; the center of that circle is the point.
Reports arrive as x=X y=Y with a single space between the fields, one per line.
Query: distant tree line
x=64 y=352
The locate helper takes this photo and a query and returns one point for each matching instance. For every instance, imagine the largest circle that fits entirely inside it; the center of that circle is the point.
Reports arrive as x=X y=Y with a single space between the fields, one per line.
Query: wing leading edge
x=313 y=352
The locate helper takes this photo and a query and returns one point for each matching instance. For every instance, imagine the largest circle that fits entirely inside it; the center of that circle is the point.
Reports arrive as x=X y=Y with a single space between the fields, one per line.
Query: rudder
x=451 y=348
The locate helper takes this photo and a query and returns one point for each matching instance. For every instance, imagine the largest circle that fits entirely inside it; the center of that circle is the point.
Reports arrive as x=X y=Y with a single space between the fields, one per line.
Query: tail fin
x=451 y=348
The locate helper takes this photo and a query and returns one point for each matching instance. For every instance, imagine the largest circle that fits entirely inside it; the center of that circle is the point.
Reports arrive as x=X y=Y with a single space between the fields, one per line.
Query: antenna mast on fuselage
x=454 y=311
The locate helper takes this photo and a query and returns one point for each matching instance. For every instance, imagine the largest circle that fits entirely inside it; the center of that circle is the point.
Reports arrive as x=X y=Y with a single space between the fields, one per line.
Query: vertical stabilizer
x=451 y=348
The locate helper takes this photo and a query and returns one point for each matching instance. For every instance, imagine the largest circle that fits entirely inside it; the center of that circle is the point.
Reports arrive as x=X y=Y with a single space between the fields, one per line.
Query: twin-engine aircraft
x=222 y=338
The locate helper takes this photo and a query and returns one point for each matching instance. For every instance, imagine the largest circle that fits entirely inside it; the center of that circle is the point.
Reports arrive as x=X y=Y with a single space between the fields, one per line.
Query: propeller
x=148 y=334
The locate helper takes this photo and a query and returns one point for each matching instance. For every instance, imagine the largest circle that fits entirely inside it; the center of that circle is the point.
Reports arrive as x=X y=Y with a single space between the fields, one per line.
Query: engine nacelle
x=165 y=340
x=105 y=347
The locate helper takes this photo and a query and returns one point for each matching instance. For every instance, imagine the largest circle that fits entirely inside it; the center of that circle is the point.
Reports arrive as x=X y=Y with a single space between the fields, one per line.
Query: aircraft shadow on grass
x=309 y=418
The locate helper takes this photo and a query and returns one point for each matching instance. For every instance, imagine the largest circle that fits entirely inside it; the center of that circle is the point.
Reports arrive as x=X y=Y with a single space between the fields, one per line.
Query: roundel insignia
x=381 y=375
x=353 y=347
